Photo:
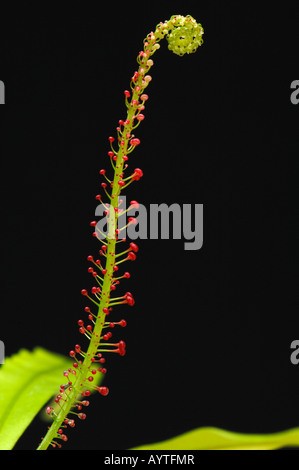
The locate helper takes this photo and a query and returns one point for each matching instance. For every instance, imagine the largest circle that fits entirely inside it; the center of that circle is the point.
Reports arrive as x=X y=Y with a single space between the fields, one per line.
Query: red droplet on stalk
x=122 y=348
x=103 y=390
x=135 y=141
x=131 y=256
x=134 y=247
x=138 y=173
x=134 y=204
x=129 y=299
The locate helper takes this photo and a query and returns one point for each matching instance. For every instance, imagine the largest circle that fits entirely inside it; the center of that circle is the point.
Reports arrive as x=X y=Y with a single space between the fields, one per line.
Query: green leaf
x=27 y=381
x=219 y=439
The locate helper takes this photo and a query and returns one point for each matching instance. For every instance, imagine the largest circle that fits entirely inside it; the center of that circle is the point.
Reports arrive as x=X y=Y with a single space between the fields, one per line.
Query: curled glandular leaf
x=186 y=36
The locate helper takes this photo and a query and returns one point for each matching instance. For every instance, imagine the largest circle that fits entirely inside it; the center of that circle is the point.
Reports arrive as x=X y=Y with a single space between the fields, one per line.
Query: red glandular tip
x=135 y=141
x=134 y=204
x=103 y=390
x=95 y=290
x=131 y=256
x=129 y=299
x=121 y=350
x=138 y=173
x=134 y=247
x=107 y=336
x=133 y=221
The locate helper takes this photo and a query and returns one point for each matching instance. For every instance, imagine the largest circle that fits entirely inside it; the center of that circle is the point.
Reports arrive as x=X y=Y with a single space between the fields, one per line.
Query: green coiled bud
x=186 y=35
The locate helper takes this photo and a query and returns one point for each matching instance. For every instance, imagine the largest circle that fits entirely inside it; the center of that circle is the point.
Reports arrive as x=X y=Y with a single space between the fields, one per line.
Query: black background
x=208 y=341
